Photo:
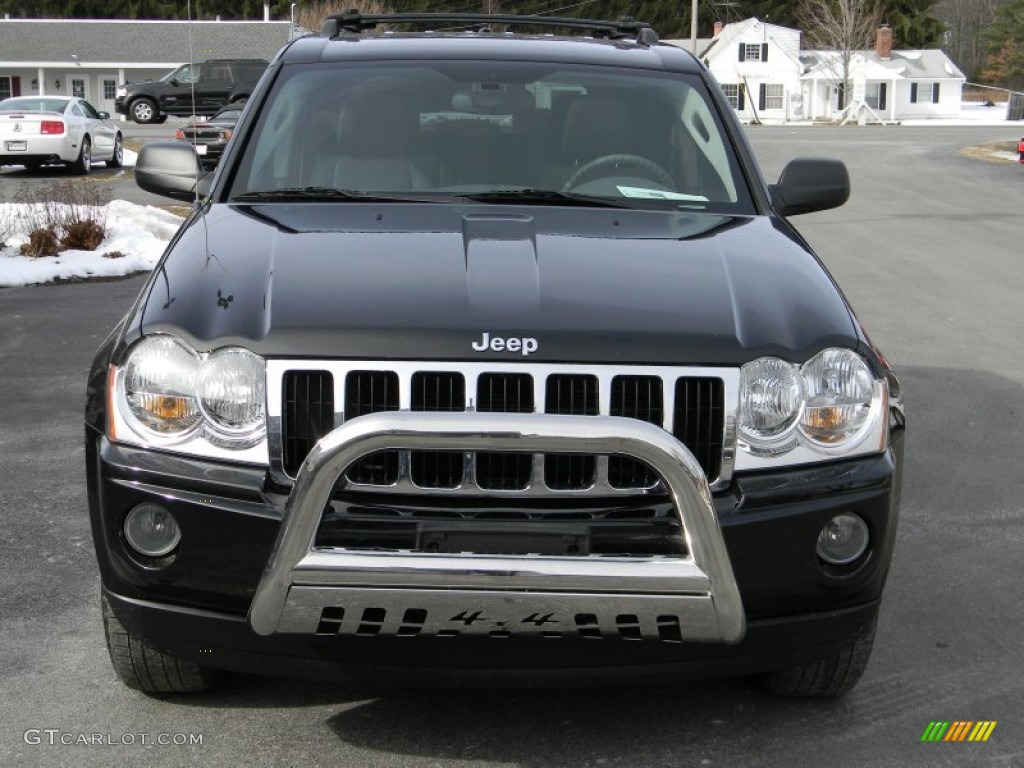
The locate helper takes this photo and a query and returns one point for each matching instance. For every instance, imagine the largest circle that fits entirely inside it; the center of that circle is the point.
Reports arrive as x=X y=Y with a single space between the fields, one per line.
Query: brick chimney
x=717 y=29
x=883 y=42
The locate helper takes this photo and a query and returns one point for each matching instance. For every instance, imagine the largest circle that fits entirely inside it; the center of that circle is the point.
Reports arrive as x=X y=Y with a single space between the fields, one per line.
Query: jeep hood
x=427 y=281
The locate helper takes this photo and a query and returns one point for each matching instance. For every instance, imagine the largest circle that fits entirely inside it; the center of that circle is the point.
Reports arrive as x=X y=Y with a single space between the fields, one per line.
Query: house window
x=923 y=93
x=732 y=95
x=109 y=90
x=773 y=93
x=874 y=95
x=78 y=88
x=5 y=87
x=753 y=52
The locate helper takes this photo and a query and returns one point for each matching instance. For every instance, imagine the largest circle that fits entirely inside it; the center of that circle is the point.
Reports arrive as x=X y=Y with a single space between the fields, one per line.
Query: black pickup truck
x=191 y=89
x=488 y=351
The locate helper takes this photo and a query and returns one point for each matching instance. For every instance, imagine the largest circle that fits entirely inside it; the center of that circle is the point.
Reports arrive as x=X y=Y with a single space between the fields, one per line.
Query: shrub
x=41 y=242
x=74 y=214
x=84 y=235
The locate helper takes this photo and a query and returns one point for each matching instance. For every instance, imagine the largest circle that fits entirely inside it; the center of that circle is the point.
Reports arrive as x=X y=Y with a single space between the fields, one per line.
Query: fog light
x=843 y=539
x=151 y=530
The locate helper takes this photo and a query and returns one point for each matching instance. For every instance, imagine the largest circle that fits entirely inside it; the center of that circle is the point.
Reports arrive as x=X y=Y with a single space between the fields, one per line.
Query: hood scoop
x=502 y=269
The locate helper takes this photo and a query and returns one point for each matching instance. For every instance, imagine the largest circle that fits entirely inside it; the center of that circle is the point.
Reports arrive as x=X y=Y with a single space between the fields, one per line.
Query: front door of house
x=105 y=93
x=77 y=85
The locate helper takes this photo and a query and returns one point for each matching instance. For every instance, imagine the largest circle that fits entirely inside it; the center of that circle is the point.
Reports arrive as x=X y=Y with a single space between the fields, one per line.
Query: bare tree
x=842 y=27
x=965 y=21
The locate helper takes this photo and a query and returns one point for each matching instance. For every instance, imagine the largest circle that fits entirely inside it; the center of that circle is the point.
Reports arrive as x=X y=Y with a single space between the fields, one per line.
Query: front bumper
x=198 y=599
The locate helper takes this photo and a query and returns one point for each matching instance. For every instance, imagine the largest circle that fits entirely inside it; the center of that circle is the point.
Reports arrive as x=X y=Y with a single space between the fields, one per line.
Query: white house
x=767 y=78
x=758 y=66
x=886 y=85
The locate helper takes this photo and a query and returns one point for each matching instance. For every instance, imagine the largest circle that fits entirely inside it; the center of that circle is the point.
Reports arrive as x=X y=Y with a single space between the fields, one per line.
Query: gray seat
x=594 y=127
x=377 y=135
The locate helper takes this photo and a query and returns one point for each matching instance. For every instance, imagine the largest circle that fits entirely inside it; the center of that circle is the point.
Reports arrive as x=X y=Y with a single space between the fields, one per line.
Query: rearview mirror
x=810 y=184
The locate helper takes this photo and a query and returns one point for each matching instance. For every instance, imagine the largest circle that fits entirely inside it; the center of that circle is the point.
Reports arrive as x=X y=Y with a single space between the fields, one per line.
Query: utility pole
x=693 y=27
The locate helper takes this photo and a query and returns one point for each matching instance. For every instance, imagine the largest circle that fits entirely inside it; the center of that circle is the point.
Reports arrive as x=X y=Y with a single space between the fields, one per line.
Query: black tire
x=161 y=120
x=117 y=159
x=828 y=677
x=142 y=667
x=83 y=165
x=143 y=110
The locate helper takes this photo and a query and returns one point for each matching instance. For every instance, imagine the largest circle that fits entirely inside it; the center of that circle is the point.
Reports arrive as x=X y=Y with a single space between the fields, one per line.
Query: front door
x=105 y=93
x=78 y=85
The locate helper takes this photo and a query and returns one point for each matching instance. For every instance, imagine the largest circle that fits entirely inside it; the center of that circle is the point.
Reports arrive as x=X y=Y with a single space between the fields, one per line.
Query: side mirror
x=171 y=169
x=173 y=81
x=104 y=115
x=809 y=184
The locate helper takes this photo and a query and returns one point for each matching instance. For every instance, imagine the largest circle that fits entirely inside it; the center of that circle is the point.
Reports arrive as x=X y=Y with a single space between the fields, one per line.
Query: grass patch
x=989 y=152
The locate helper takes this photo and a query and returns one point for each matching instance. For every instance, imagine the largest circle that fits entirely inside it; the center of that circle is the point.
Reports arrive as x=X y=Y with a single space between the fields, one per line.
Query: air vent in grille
x=504 y=393
x=699 y=421
x=370 y=392
x=308 y=414
x=570 y=395
x=635 y=397
x=437 y=391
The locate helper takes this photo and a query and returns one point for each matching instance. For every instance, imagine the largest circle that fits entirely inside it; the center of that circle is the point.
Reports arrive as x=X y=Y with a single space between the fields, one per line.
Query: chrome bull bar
x=309 y=589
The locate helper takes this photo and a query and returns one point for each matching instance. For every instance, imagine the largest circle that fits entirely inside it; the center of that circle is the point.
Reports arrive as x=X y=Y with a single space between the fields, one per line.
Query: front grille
x=504 y=393
x=570 y=395
x=690 y=404
x=437 y=391
x=635 y=397
x=307 y=414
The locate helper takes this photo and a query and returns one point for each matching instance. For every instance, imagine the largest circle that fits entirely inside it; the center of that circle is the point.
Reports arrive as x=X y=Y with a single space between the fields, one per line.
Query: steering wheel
x=596 y=167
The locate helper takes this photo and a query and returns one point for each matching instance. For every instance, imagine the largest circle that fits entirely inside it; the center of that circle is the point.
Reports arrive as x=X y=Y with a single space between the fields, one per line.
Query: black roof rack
x=354 y=22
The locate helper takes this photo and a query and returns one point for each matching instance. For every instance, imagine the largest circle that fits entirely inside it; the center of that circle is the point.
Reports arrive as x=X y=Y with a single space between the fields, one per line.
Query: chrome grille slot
x=370 y=392
x=570 y=395
x=635 y=397
x=307 y=413
x=437 y=391
x=504 y=393
x=699 y=420
x=696 y=404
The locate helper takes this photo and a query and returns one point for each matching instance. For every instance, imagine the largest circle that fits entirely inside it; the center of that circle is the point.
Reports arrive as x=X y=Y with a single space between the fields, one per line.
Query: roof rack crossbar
x=355 y=22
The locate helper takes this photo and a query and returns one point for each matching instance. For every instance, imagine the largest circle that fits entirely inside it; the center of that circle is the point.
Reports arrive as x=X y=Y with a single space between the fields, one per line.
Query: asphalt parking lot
x=928 y=251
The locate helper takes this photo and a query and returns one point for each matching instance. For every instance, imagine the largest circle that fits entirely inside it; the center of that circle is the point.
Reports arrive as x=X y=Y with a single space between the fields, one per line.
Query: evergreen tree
x=913 y=24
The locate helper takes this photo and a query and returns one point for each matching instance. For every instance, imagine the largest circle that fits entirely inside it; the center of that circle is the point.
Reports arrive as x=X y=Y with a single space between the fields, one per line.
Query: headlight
x=121 y=92
x=839 y=390
x=167 y=394
x=159 y=387
x=231 y=395
x=830 y=406
x=771 y=399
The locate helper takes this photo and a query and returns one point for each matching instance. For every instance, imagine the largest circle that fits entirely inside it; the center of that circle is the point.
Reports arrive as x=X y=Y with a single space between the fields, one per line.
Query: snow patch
x=139 y=232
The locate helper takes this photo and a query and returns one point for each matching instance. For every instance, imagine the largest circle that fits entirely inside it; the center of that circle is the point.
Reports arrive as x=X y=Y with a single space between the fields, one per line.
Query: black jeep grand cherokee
x=487 y=352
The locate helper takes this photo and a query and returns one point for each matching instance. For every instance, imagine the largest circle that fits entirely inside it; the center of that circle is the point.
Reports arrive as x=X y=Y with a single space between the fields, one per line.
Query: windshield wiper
x=314 y=194
x=545 y=197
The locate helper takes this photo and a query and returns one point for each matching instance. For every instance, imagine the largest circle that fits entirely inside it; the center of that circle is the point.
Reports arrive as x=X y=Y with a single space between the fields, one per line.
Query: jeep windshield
x=492 y=132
